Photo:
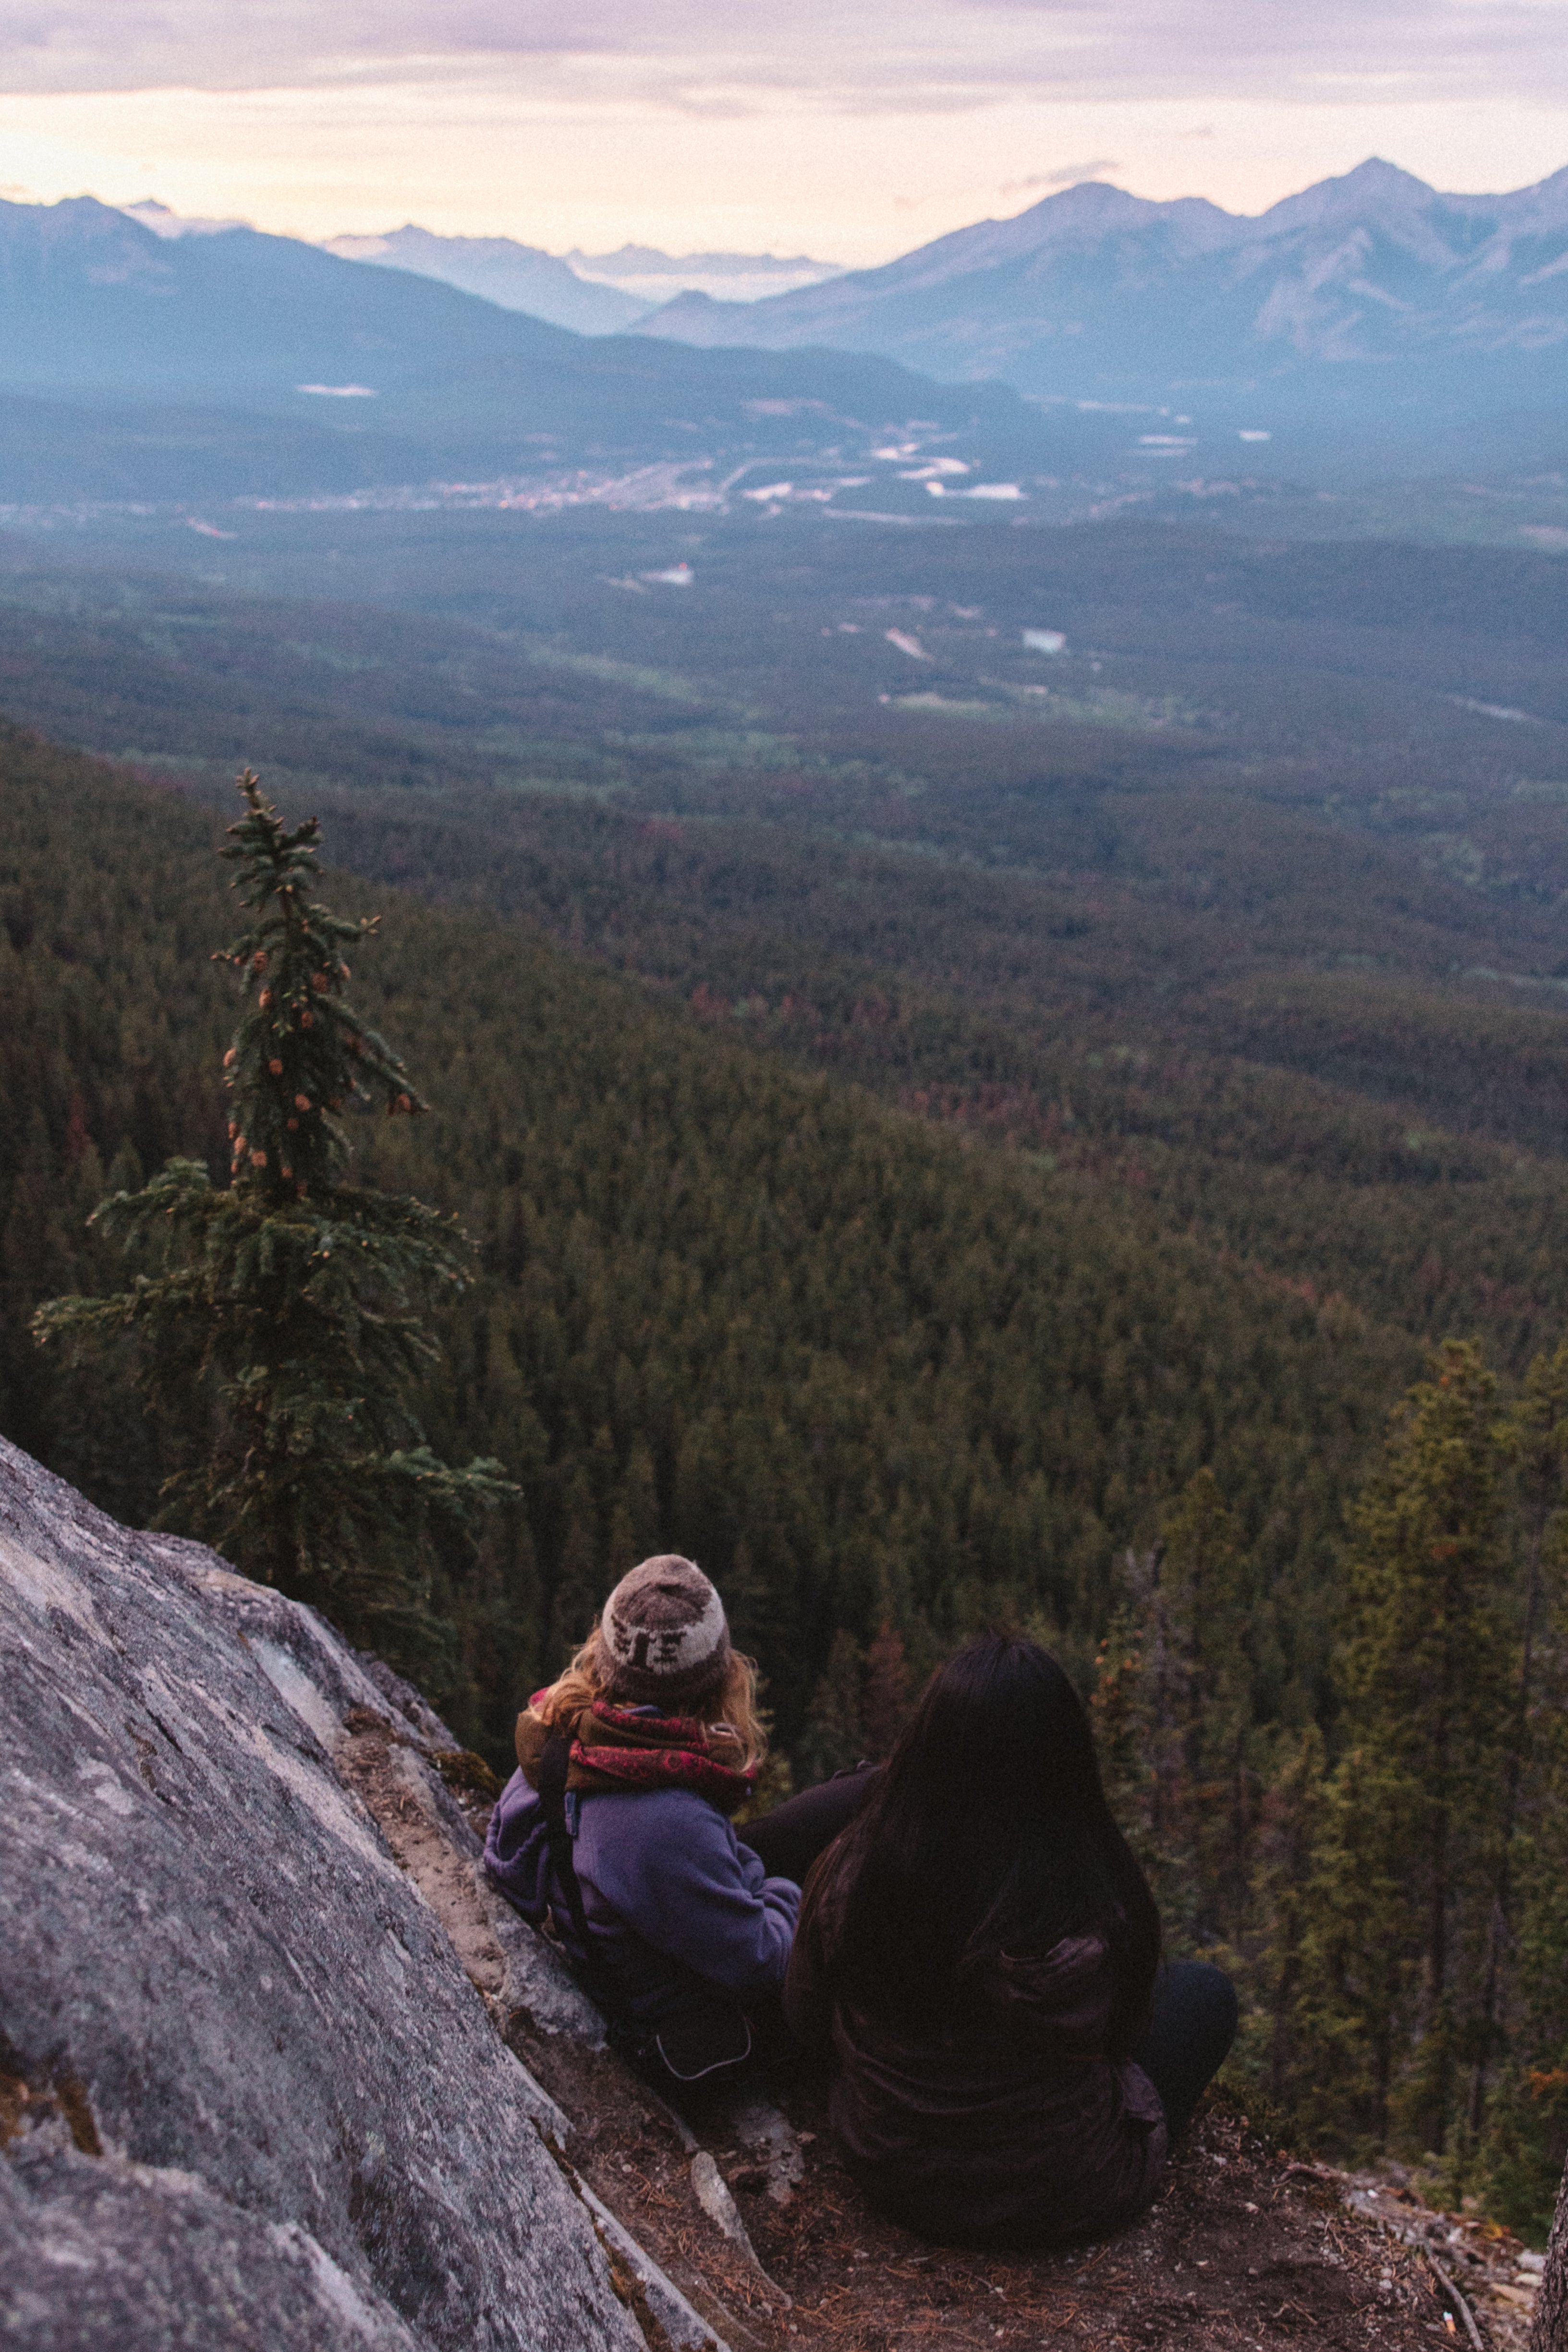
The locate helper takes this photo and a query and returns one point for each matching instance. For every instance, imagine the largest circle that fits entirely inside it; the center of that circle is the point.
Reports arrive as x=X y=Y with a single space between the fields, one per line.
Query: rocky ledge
x=250 y=2096
x=279 y=2070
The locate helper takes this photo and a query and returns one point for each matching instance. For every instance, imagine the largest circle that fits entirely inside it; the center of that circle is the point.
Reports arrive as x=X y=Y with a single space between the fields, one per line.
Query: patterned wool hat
x=663 y=1638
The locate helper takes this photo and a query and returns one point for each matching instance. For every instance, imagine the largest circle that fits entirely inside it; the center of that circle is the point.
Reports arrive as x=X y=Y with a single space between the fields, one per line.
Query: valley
x=989 y=967
x=1241 y=901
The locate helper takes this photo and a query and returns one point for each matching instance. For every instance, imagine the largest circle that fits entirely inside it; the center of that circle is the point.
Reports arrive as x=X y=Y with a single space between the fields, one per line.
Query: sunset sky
x=850 y=134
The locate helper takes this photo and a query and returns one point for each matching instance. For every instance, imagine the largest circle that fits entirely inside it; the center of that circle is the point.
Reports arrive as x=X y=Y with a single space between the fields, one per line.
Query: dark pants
x=789 y=1839
x=1191 y=2028
x=1194 y=2016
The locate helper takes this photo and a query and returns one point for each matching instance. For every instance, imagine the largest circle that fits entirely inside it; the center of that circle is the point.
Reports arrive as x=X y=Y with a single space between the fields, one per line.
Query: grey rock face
x=307 y=2116
x=536 y=1979
x=99 y=2255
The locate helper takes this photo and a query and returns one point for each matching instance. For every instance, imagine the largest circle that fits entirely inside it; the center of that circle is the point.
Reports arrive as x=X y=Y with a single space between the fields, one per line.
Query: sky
x=757 y=125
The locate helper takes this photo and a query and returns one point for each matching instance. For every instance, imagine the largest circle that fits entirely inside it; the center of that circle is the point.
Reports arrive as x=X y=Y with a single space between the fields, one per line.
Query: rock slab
x=252 y=2097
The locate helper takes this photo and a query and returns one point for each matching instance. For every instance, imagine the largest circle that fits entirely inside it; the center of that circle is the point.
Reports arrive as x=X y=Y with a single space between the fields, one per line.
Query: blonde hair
x=739 y=1721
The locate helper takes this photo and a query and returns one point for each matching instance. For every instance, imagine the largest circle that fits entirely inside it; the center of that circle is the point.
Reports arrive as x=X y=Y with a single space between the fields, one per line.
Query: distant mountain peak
x=1377 y=172
x=164 y=222
x=1093 y=292
x=398 y=243
x=596 y=293
x=1374 y=189
x=499 y=270
x=648 y=261
x=652 y=277
x=1098 y=199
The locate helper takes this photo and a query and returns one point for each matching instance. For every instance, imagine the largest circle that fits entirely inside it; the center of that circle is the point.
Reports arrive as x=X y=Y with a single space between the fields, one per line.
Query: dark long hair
x=988 y=1833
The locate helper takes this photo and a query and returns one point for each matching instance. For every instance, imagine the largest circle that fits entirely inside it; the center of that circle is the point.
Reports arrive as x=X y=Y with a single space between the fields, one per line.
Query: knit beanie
x=663 y=1638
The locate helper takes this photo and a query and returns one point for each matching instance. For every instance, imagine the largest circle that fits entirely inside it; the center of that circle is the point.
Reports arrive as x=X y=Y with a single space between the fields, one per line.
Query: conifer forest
x=938 y=1160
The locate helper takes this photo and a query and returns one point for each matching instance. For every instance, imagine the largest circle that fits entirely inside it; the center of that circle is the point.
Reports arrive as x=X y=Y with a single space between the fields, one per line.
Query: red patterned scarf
x=628 y=1749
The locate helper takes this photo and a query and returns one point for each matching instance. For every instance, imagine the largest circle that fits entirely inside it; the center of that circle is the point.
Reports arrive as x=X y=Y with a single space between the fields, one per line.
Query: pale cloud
x=1065 y=175
x=738 y=124
x=738 y=54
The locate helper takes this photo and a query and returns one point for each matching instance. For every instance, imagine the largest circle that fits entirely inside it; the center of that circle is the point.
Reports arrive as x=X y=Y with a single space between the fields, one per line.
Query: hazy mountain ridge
x=502 y=270
x=655 y=277
x=94 y=300
x=593 y=293
x=392 y=376
x=1093 y=292
x=219 y=362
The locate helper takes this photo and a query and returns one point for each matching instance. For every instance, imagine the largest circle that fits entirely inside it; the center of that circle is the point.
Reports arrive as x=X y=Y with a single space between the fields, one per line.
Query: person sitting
x=981 y=1951
x=615 y=1828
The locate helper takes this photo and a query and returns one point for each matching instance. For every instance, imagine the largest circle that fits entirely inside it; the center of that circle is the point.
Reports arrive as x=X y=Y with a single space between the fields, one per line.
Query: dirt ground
x=1242 y=2248
x=748 y=2212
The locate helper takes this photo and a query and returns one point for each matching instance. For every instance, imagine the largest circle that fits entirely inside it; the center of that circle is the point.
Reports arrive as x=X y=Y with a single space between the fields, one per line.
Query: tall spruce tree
x=1540 y=1428
x=1412 y=1814
x=1173 y=1709
x=1119 y=1707
x=1287 y=1829
x=274 y=1327
x=1519 y=2111
x=885 y=1699
x=835 y=1735
x=1203 y=1783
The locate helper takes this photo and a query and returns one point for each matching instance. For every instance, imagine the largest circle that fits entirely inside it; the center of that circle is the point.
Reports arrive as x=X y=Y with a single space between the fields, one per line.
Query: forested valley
x=940 y=1159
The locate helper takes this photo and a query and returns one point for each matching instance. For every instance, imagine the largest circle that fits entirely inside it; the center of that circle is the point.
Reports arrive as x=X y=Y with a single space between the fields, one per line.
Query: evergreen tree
x=1204 y=1792
x=1540 y=1428
x=1287 y=1832
x=1522 y=2123
x=835 y=1735
x=1118 y=1710
x=274 y=1327
x=1135 y=1707
x=1413 y=1810
x=1173 y=1713
x=885 y=1700
x=1358 y=1925
x=581 y=1582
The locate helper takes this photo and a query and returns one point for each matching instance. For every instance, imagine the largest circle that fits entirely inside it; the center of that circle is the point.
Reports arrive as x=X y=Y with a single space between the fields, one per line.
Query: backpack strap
x=552 y=1770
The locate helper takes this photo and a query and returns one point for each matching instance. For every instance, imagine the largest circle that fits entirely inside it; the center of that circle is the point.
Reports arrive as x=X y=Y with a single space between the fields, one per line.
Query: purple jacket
x=678 y=1907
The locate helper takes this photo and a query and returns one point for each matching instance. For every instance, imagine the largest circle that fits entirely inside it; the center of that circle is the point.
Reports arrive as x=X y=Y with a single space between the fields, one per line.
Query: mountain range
x=1367 y=322
x=132 y=358
x=593 y=293
x=658 y=277
x=501 y=271
x=1372 y=290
